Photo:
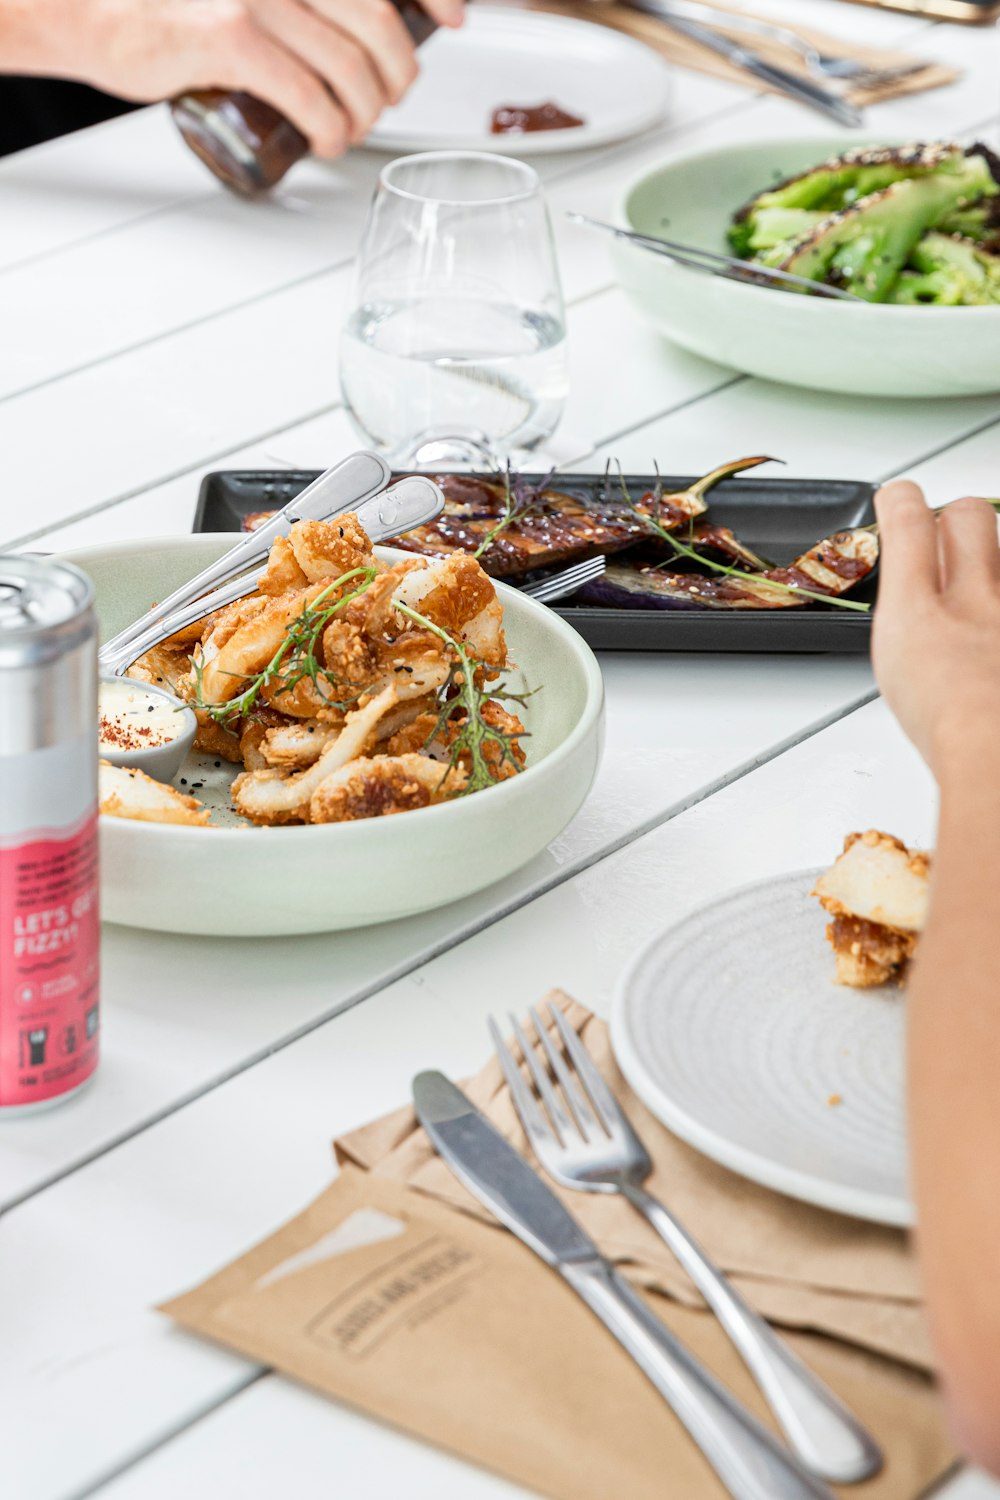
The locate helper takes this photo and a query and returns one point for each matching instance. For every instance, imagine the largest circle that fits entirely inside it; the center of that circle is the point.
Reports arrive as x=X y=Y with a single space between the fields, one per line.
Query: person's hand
x=936 y=634
x=331 y=66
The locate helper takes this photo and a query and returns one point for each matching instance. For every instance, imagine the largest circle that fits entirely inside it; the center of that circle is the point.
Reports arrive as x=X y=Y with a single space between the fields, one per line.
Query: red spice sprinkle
x=117 y=731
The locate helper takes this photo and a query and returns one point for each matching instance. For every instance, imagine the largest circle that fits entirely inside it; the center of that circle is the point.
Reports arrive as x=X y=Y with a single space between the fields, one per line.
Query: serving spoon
x=709 y=261
x=384 y=513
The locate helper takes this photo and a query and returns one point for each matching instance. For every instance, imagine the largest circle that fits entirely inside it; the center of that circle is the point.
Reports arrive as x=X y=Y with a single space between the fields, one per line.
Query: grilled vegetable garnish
x=858 y=221
x=829 y=569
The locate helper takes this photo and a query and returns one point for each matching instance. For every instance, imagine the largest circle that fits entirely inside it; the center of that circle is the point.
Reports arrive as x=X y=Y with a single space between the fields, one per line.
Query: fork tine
x=582 y=1113
x=566 y=582
x=603 y=1100
x=557 y=1115
x=525 y=1104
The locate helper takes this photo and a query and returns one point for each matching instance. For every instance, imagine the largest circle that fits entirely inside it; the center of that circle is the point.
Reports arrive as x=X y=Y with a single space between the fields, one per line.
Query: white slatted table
x=153 y=328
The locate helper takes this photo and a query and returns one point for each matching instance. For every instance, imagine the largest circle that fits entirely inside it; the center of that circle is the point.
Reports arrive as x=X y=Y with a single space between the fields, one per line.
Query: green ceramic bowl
x=864 y=350
x=249 y=882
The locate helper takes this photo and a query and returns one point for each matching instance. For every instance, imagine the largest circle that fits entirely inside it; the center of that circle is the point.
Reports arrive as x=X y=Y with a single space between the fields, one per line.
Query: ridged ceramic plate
x=730 y=1028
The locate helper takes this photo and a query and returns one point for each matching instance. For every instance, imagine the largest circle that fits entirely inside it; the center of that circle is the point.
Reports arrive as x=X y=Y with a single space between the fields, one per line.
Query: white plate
x=616 y=85
x=730 y=1028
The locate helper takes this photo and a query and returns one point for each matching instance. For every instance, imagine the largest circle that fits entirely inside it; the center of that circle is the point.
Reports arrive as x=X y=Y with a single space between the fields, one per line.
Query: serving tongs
x=714 y=264
x=357 y=484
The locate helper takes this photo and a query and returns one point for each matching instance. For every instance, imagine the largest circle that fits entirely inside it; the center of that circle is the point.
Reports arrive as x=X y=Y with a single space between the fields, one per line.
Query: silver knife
x=749 y=1461
x=806 y=92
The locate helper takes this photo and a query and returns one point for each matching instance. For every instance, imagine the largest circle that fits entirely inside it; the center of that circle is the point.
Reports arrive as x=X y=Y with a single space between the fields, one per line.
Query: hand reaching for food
x=936 y=649
x=330 y=66
x=936 y=634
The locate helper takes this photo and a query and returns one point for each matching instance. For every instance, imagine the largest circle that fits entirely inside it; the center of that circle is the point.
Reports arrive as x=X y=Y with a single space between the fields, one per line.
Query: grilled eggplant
x=535 y=528
x=831 y=567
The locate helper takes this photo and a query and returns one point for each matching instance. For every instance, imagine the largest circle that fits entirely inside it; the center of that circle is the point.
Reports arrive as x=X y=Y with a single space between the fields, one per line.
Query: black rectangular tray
x=778 y=517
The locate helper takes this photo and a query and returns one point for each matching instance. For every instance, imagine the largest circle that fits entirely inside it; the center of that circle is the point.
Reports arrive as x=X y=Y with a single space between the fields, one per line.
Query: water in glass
x=455 y=347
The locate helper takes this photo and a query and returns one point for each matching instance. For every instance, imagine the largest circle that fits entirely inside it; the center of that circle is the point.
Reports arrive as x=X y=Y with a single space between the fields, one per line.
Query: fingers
x=339 y=61
x=238 y=53
x=908 y=553
x=377 y=27
x=970 y=552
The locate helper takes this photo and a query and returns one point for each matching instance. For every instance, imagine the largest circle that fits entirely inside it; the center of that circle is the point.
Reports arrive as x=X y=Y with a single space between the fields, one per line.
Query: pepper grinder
x=248 y=144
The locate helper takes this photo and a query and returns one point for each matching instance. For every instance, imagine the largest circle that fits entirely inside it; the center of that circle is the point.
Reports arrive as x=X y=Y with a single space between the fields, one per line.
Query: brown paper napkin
x=394 y=1292
x=799 y=1266
x=455 y=1332
x=685 y=53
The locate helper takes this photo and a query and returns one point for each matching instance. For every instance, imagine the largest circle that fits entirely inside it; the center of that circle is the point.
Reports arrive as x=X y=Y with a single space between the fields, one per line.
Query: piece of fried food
x=877 y=893
x=379 y=787
x=274 y=796
x=126 y=792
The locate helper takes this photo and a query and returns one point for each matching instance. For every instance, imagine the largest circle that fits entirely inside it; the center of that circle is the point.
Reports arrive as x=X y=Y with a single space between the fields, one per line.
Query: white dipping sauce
x=132 y=718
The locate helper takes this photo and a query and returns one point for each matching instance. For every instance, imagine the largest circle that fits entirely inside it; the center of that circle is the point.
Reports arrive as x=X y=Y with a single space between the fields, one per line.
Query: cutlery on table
x=729 y=267
x=748 y=1460
x=358 y=484
x=803 y=90
x=823 y=66
x=352 y=481
x=568 y=581
x=584 y=1140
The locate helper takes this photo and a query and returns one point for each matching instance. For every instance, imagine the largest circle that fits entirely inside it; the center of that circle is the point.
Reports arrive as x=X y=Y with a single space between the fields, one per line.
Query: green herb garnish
x=520 y=499
x=475 y=734
x=295 y=659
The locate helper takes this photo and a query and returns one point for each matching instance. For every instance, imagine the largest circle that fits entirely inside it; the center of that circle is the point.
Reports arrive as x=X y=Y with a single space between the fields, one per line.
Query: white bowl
x=867 y=349
x=249 y=882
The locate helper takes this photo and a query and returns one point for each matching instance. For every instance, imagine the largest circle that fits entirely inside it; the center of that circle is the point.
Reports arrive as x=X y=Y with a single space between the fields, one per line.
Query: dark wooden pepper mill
x=248 y=144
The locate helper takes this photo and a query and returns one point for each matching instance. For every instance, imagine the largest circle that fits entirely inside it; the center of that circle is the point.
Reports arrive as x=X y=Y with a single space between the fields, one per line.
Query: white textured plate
x=730 y=1028
x=500 y=56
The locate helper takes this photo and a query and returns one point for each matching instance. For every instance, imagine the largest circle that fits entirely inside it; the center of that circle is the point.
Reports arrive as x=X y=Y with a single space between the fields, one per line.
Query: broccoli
x=949 y=271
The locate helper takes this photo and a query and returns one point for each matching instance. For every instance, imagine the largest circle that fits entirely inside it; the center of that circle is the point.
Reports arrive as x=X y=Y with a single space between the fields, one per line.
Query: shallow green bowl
x=864 y=349
x=248 y=882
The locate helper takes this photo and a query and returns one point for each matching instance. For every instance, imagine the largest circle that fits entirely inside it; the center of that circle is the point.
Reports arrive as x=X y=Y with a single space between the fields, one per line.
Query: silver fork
x=561 y=585
x=583 y=1139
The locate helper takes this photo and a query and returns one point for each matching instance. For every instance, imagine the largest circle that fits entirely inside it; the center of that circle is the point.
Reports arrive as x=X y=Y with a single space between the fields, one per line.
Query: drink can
x=49 y=918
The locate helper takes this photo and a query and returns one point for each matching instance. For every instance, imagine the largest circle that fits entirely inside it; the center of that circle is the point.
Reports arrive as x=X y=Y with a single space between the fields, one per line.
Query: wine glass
x=454 y=348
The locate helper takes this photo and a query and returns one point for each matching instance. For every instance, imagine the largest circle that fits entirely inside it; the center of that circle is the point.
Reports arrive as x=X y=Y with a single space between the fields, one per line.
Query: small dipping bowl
x=161 y=761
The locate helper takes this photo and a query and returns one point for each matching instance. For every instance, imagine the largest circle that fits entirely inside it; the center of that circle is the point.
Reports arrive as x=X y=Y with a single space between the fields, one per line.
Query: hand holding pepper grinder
x=249 y=144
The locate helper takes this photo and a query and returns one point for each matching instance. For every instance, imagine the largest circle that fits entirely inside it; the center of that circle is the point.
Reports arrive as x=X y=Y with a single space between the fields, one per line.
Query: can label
x=49 y=958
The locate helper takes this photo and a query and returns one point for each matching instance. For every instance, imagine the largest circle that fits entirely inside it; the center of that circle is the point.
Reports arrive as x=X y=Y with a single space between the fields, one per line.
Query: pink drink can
x=49 y=917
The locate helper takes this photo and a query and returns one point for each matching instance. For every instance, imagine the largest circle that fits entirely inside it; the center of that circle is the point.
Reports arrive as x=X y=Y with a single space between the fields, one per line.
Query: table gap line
x=331 y=267
x=211 y=191
x=168 y=478
x=110 y=1475
x=218 y=457
x=450 y=942
x=923 y=458
x=99 y=234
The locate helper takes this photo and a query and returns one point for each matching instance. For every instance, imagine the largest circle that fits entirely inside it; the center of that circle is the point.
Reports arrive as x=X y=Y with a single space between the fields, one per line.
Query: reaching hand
x=331 y=66
x=936 y=637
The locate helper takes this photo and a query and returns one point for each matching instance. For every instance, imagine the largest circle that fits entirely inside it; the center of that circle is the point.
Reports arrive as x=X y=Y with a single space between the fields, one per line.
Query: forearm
x=954 y=1090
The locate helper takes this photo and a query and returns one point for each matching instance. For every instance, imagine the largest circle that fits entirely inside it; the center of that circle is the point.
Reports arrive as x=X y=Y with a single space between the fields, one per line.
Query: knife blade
x=796 y=87
x=748 y=1460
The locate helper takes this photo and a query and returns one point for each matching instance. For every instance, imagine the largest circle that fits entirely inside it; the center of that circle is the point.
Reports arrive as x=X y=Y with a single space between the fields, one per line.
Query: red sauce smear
x=522 y=119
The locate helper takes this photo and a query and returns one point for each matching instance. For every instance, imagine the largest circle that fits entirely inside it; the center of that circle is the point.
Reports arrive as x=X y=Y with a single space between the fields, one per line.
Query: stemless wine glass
x=454 y=350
